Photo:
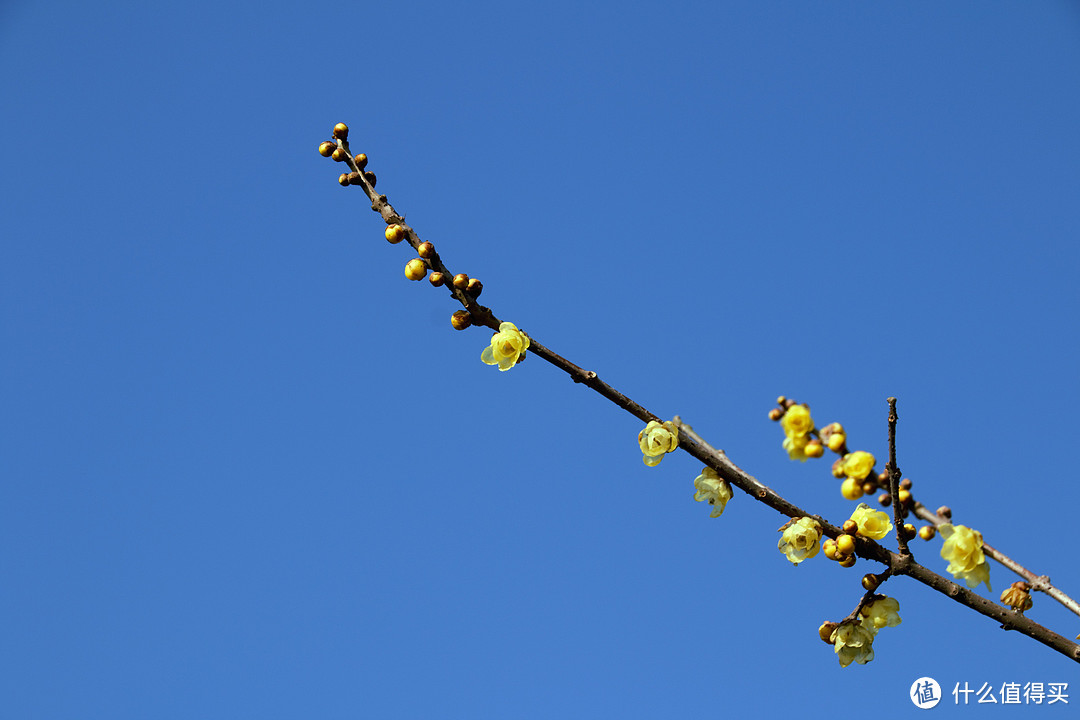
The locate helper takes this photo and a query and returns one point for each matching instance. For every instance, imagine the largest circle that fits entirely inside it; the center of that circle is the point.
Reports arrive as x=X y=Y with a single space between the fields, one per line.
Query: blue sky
x=249 y=470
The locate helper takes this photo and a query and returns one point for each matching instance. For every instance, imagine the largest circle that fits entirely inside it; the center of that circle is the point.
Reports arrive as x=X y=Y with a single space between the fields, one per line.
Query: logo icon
x=925 y=693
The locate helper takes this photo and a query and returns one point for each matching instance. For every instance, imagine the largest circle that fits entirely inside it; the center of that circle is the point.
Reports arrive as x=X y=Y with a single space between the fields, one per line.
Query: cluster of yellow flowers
x=853 y=641
x=963 y=550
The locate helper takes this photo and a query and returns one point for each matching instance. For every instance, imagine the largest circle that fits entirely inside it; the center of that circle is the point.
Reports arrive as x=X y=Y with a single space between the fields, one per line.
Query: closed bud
x=354 y=178
x=461 y=281
x=885 y=499
x=945 y=511
x=837 y=441
x=883 y=478
x=415 y=269
x=850 y=527
x=370 y=177
x=848 y=561
x=870 y=582
x=361 y=161
x=326 y=149
x=425 y=250
x=909 y=531
x=869 y=487
x=905 y=484
x=343 y=179
x=341 y=131
x=927 y=532
x=814 y=449
x=845 y=544
x=461 y=320
x=475 y=287
x=904 y=496
x=395 y=234
x=851 y=489
x=838 y=468
x=825 y=632
x=437 y=278
x=828 y=548
x=775 y=414
x=339 y=154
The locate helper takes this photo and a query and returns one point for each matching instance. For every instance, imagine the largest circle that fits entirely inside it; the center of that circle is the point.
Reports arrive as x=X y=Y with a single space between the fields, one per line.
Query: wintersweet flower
x=853 y=643
x=714 y=489
x=507 y=347
x=872 y=523
x=882 y=612
x=797 y=421
x=796 y=447
x=801 y=539
x=858 y=464
x=656 y=440
x=963 y=549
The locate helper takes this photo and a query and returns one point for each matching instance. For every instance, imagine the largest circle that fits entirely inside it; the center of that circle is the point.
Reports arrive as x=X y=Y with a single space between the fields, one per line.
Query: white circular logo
x=925 y=693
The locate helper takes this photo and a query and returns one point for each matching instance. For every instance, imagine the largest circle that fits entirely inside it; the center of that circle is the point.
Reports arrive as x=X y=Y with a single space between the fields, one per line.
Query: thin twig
x=692 y=443
x=894 y=482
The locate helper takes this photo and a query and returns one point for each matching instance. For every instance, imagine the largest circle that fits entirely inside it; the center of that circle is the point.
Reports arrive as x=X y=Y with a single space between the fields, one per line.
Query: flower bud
x=475 y=287
x=395 y=234
x=837 y=441
x=775 y=414
x=870 y=582
x=343 y=180
x=848 y=561
x=825 y=632
x=905 y=484
x=415 y=269
x=814 y=449
x=354 y=178
x=437 y=278
x=851 y=489
x=341 y=131
x=904 y=496
x=927 y=532
x=869 y=487
x=838 y=468
x=326 y=149
x=945 y=511
x=461 y=319
x=829 y=549
x=461 y=281
x=339 y=154
x=425 y=250
x=850 y=527
x=370 y=177
x=885 y=499
x=361 y=161
x=845 y=544
x=909 y=531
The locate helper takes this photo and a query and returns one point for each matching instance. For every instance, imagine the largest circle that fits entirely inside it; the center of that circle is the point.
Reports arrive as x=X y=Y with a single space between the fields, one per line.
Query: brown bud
x=415 y=269
x=868 y=487
x=461 y=319
x=885 y=499
x=326 y=149
x=781 y=401
x=909 y=531
x=850 y=527
x=870 y=582
x=341 y=131
x=361 y=161
x=945 y=511
x=370 y=177
x=461 y=281
x=343 y=179
x=437 y=278
x=475 y=287
x=395 y=234
x=354 y=178
x=883 y=478
x=927 y=532
x=904 y=496
x=339 y=154
x=826 y=631
x=838 y=468
x=426 y=250
x=905 y=484
x=848 y=561
x=775 y=414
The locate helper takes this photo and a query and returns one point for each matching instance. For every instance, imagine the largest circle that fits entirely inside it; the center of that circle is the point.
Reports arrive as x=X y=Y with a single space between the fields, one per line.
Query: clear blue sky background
x=249 y=470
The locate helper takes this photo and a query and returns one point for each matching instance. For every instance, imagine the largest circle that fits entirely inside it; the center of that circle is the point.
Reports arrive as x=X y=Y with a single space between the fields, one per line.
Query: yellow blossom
x=853 y=643
x=797 y=421
x=507 y=347
x=656 y=440
x=872 y=523
x=801 y=539
x=858 y=464
x=963 y=550
x=1017 y=596
x=713 y=488
x=796 y=447
x=882 y=612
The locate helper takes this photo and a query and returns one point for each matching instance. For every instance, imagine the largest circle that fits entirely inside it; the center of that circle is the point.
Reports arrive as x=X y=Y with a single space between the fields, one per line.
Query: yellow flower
x=882 y=612
x=801 y=539
x=853 y=643
x=858 y=464
x=872 y=523
x=797 y=421
x=1018 y=596
x=656 y=440
x=713 y=488
x=796 y=447
x=963 y=550
x=507 y=347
